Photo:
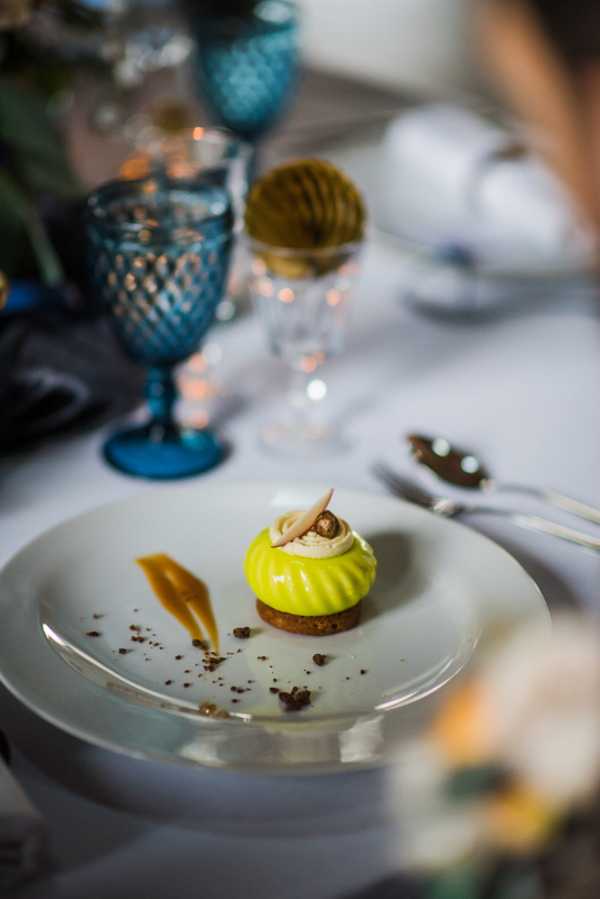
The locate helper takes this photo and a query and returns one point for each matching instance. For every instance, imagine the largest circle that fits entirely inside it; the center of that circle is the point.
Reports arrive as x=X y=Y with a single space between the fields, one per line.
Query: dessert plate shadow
x=74 y=597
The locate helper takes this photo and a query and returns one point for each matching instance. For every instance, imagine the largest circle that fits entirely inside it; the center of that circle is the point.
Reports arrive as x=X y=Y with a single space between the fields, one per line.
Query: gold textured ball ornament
x=4 y=288
x=307 y=205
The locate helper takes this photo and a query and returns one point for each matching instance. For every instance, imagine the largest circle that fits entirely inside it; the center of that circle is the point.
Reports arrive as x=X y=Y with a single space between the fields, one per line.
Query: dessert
x=310 y=571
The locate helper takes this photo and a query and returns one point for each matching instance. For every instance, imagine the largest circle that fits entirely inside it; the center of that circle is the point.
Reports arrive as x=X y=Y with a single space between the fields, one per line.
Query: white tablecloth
x=521 y=390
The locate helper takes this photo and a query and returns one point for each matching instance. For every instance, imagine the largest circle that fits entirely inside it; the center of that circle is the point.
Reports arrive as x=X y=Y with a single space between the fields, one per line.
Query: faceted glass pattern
x=304 y=318
x=302 y=298
x=162 y=285
x=247 y=67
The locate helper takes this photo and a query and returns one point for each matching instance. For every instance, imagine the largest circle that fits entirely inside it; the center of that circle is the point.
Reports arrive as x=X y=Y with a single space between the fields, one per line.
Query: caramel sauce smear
x=182 y=594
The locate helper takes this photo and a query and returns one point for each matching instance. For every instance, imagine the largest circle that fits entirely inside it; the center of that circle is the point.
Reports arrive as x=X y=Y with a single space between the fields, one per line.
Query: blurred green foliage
x=34 y=163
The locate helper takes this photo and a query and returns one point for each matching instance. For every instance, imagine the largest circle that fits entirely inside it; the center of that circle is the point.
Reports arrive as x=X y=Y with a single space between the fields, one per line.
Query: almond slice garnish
x=305 y=521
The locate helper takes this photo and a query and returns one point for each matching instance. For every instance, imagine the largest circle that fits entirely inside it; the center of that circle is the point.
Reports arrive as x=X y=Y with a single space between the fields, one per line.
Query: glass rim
x=185 y=232
x=202 y=134
x=259 y=246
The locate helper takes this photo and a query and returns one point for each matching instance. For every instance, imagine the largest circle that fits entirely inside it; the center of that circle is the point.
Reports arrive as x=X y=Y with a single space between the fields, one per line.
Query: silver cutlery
x=463 y=469
x=449 y=508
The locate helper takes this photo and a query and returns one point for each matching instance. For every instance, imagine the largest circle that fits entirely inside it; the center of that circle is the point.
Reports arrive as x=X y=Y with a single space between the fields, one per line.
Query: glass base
x=302 y=440
x=149 y=452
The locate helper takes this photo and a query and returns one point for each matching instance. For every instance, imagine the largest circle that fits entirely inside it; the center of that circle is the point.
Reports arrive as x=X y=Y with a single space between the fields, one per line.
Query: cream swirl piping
x=311 y=545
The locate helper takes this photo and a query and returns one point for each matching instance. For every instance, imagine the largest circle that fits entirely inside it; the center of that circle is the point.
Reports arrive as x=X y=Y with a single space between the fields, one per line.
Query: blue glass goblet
x=159 y=253
x=246 y=62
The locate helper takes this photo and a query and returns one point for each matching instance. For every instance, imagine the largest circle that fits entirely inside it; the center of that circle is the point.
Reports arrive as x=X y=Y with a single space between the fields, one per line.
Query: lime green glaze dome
x=302 y=586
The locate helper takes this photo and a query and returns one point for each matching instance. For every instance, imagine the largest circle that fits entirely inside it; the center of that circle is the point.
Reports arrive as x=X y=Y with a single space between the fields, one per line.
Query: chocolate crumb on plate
x=212 y=662
x=168 y=683
x=320 y=659
x=98 y=615
x=273 y=689
x=296 y=699
x=187 y=685
x=123 y=651
x=199 y=644
x=178 y=657
x=135 y=627
x=262 y=658
x=241 y=633
x=363 y=670
x=93 y=634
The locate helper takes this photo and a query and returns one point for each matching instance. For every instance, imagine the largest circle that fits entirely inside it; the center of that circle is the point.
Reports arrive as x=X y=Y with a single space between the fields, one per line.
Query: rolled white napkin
x=448 y=176
x=22 y=833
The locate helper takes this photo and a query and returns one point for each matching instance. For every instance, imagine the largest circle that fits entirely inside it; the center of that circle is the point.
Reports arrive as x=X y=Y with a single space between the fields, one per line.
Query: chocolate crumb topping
x=135 y=627
x=187 y=685
x=178 y=658
x=326 y=525
x=296 y=699
x=123 y=651
x=135 y=639
x=363 y=670
x=262 y=658
x=168 y=683
x=93 y=634
x=241 y=633
x=320 y=659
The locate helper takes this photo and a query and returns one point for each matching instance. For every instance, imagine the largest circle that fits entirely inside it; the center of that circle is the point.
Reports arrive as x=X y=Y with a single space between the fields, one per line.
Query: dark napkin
x=60 y=375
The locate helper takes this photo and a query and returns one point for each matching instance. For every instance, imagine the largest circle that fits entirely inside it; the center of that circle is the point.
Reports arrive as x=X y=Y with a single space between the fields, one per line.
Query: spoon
x=463 y=469
x=449 y=508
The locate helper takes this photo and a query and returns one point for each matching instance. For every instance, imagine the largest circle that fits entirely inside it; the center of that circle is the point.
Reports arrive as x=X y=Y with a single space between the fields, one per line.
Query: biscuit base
x=310 y=625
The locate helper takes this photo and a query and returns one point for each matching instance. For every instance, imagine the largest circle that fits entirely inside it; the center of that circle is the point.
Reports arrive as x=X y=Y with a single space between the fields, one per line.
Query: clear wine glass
x=302 y=299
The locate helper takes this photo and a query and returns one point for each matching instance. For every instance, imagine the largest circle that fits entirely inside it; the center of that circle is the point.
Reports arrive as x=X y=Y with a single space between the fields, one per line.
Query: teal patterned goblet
x=246 y=61
x=159 y=253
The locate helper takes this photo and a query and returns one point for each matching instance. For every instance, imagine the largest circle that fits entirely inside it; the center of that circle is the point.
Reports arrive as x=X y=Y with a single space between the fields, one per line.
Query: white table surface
x=521 y=390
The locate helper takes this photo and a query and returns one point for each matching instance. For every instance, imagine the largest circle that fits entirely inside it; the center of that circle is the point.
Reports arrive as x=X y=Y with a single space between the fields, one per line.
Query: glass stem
x=252 y=164
x=161 y=394
x=305 y=398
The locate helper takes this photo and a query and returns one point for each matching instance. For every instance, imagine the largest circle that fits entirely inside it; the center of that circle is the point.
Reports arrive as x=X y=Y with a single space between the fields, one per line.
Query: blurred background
x=465 y=125
x=425 y=46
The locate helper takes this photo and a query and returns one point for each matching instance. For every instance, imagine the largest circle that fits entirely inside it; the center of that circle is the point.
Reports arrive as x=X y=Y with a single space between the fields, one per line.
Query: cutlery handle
x=541 y=525
x=554 y=497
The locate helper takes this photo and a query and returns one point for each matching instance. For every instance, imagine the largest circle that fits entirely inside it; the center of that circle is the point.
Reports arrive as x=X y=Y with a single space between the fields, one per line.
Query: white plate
x=440 y=589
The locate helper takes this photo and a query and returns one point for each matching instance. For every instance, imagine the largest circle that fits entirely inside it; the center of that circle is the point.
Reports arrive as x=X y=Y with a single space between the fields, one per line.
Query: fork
x=449 y=508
